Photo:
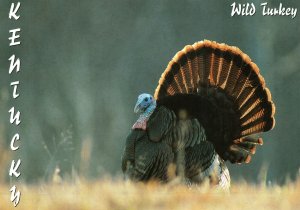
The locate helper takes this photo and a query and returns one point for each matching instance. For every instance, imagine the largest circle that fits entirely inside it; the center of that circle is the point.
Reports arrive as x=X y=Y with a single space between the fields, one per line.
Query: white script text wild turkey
x=209 y=101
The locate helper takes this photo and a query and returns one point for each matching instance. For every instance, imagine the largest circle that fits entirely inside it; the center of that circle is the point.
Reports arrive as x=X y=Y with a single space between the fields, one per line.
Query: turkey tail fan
x=207 y=65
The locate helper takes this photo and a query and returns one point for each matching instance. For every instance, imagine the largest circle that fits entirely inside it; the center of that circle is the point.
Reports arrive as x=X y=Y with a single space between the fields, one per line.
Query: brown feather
x=207 y=66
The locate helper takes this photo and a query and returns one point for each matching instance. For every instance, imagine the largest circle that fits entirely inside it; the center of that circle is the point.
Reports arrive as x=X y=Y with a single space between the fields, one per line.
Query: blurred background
x=83 y=64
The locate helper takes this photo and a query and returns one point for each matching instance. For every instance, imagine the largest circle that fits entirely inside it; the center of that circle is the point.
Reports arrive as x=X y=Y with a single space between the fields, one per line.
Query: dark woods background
x=83 y=63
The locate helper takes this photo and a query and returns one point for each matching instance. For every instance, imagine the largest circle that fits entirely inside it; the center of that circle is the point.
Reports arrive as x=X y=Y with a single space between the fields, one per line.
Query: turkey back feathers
x=221 y=87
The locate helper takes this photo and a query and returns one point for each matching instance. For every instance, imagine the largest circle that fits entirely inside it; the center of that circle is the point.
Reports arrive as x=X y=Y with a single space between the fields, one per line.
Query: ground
x=116 y=195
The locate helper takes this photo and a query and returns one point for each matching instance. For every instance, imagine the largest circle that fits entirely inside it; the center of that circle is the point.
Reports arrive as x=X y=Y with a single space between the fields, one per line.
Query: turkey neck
x=144 y=117
x=141 y=123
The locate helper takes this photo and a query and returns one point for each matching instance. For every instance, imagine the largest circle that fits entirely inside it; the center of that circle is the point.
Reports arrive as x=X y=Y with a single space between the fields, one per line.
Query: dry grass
x=114 y=195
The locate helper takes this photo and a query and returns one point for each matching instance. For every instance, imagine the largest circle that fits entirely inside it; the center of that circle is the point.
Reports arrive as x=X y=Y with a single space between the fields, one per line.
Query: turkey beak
x=137 y=107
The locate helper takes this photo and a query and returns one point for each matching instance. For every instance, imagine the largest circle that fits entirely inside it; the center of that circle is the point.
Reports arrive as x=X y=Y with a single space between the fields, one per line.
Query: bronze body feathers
x=210 y=99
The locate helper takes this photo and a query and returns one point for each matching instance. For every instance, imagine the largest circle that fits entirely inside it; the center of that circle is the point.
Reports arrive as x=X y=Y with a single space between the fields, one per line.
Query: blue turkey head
x=144 y=101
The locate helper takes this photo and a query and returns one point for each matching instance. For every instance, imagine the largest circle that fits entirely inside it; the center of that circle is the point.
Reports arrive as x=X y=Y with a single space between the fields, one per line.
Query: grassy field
x=115 y=195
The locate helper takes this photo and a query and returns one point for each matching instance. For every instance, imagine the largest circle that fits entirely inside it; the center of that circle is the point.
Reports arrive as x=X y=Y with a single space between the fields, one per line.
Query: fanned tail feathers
x=206 y=65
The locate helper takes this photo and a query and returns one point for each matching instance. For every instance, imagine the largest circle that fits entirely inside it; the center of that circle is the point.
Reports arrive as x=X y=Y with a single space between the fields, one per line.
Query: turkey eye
x=150 y=98
x=146 y=99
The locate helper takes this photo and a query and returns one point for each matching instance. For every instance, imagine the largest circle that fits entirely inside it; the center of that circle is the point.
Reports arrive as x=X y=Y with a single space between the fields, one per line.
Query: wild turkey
x=208 y=102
